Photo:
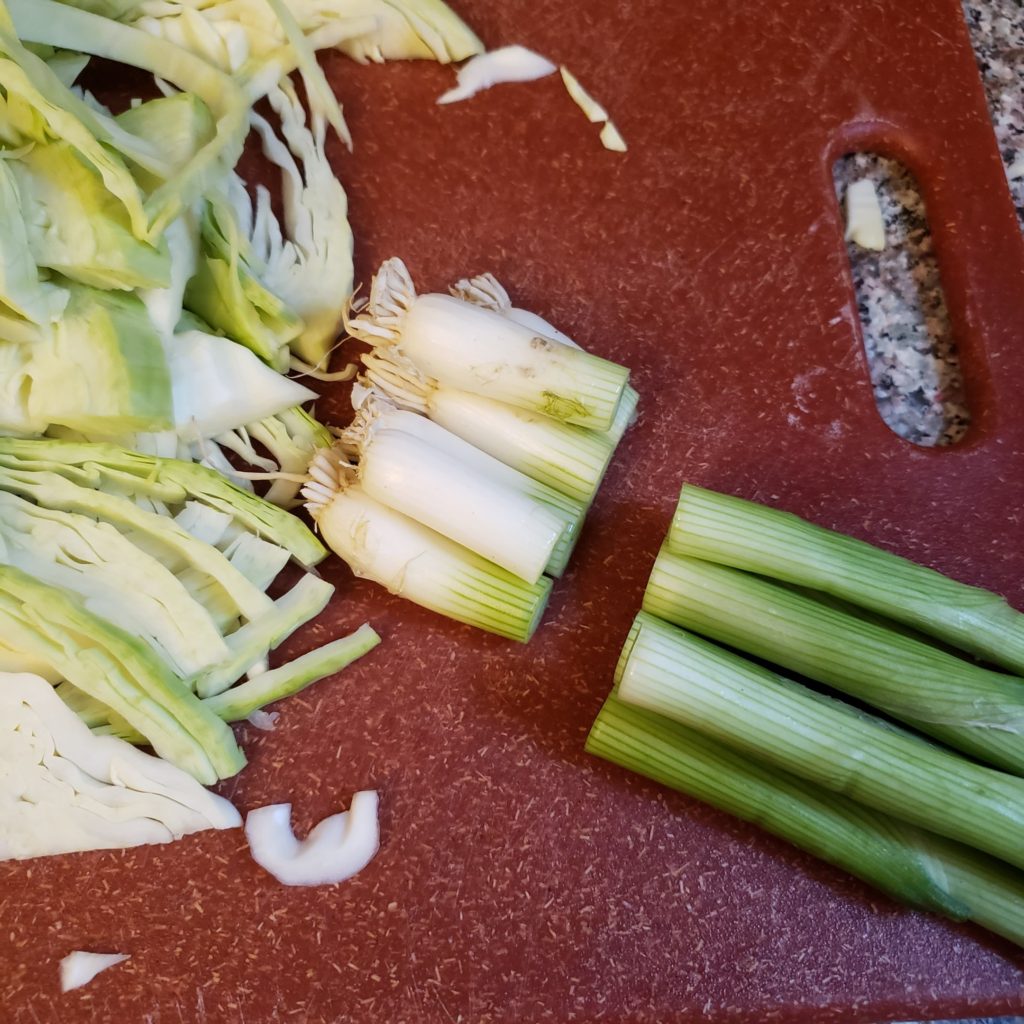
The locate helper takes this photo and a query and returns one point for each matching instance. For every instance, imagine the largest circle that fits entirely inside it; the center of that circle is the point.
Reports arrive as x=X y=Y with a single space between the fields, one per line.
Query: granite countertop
x=911 y=350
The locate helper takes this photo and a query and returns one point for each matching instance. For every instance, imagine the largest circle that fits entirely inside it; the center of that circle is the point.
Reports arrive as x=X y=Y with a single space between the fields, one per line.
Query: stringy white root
x=327 y=476
x=398 y=379
x=483 y=290
x=392 y=295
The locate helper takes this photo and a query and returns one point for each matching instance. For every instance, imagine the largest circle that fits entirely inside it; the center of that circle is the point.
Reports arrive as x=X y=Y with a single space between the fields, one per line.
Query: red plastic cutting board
x=519 y=879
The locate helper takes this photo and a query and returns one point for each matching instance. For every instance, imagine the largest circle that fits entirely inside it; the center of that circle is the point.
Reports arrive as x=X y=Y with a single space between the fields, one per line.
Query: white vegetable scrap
x=509 y=64
x=336 y=849
x=864 y=223
x=64 y=789
x=612 y=139
x=79 y=968
x=595 y=113
x=264 y=720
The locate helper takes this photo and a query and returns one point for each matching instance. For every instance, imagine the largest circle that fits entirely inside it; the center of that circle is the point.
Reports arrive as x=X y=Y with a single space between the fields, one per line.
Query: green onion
x=482 y=513
x=374 y=409
x=487 y=292
x=416 y=563
x=822 y=740
x=976 y=710
x=568 y=458
x=469 y=348
x=767 y=541
x=911 y=865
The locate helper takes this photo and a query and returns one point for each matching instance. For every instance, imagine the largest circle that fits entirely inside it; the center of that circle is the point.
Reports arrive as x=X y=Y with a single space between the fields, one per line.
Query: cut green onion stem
x=473 y=349
x=781 y=723
x=415 y=562
x=568 y=458
x=916 y=867
x=973 y=709
x=486 y=291
x=374 y=409
x=767 y=541
x=503 y=525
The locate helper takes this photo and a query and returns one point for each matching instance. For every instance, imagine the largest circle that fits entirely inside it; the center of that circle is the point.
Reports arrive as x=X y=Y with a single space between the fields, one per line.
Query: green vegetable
x=207 y=573
x=787 y=726
x=226 y=291
x=745 y=535
x=22 y=287
x=976 y=710
x=180 y=125
x=116 y=579
x=308 y=265
x=291 y=438
x=569 y=458
x=56 y=24
x=911 y=865
x=238 y=703
x=66 y=790
x=167 y=480
x=366 y=30
x=100 y=368
x=119 y=670
x=416 y=563
x=252 y=641
x=469 y=348
x=77 y=227
x=40 y=108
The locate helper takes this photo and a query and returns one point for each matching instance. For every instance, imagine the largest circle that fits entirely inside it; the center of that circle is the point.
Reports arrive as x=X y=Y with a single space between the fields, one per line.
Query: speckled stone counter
x=914 y=370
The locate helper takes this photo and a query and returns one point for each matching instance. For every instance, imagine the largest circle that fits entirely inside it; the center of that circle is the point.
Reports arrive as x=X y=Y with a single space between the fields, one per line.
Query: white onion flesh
x=336 y=849
x=480 y=512
x=79 y=968
x=509 y=64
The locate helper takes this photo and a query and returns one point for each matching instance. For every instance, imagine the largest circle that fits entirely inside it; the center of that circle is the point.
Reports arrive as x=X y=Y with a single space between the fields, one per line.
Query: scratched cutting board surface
x=520 y=880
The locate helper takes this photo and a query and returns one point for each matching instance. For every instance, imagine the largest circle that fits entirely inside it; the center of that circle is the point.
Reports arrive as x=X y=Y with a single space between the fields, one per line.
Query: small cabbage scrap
x=596 y=114
x=864 y=223
x=336 y=849
x=64 y=790
x=509 y=64
x=79 y=968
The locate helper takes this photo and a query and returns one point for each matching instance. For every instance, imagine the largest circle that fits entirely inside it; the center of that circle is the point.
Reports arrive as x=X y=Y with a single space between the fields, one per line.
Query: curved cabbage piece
x=64 y=790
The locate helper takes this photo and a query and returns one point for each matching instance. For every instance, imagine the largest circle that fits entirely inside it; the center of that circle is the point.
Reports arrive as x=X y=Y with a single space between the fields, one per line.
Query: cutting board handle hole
x=915 y=370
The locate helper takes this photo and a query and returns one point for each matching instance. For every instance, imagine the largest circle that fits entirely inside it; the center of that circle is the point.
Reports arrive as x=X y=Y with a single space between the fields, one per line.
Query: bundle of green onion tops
x=934 y=828
x=481 y=436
